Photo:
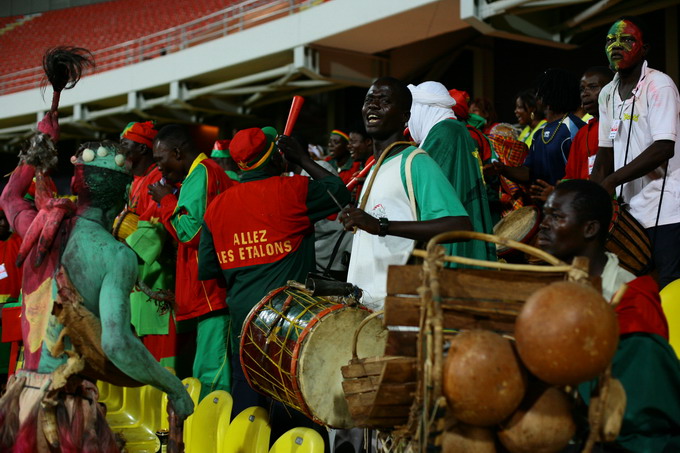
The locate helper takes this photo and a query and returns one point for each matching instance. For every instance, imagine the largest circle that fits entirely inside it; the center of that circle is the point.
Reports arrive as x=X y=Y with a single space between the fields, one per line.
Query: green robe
x=649 y=370
x=451 y=146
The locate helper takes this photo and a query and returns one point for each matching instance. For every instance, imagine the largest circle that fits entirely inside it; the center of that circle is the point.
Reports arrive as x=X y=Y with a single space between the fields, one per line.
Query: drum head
x=519 y=225
x=327 y=348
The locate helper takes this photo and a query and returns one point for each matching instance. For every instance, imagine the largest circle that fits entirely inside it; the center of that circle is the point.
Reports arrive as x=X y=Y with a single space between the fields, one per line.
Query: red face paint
x=624 y=45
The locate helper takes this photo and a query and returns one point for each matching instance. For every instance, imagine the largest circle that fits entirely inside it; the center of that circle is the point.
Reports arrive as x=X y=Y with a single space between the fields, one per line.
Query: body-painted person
x=638 y=156
x=76 y=310
x=269 y=241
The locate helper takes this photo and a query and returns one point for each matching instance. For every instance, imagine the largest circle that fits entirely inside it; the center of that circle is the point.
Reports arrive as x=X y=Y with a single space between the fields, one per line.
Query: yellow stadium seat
x=212 y=412
x=193 y=386
x=298 y=440
x=670 y=301
x=248 y=432
x=103 y=388
x=114 y=398
x=130 y=413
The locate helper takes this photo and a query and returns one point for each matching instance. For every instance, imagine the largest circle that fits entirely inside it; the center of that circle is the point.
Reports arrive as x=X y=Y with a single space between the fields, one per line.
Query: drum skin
x=566 y=333
x=125 y=224
x=520 y=225
x=293 y=346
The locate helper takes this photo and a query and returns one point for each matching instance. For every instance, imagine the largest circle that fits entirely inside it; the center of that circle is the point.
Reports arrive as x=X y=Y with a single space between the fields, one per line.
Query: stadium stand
x=122 y=32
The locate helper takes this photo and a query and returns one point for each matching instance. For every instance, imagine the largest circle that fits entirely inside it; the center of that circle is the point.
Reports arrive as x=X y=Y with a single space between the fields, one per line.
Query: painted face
x=168 y=162
x=359 y=147
x=337 y=147
x=560 y=233
x=624 y=45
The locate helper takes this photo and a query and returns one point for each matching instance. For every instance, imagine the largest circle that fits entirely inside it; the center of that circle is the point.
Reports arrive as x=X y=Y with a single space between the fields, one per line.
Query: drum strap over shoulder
x=409 y=180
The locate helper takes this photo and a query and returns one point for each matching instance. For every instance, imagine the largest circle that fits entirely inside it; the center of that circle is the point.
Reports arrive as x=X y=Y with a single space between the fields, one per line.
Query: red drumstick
x=293 y=114
x=362 y=174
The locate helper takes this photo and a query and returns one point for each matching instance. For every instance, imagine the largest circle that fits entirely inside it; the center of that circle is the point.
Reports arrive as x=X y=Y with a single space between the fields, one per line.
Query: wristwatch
x=384 y=226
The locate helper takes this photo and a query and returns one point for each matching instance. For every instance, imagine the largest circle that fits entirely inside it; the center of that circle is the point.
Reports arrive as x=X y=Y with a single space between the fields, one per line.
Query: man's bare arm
x=118 y=341
x=419 y=230
x=651 y=158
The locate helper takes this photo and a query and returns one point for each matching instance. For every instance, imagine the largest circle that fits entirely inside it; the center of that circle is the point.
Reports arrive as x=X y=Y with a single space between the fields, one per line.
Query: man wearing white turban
x=434 y=127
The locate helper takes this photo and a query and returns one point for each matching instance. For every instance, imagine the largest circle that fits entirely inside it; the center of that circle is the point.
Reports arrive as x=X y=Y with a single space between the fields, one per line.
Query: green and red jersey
x=183 y=217
x=260 y=234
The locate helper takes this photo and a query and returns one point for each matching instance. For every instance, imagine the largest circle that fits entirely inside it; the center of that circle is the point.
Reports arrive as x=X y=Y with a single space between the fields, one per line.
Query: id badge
x=3 y=271
x=615 y=129
x=591 y=163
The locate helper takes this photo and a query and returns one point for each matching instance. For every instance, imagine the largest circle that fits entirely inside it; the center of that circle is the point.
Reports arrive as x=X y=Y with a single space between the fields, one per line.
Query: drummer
x=390 y=224
x=149 y=241
x=259 y=234
x=575 y=223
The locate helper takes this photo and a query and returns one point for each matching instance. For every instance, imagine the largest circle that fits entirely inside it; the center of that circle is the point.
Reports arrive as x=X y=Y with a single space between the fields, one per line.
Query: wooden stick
x=497 y=265
x=176 y=435
x=365 y=321
x=451 y=236
x=480 y=310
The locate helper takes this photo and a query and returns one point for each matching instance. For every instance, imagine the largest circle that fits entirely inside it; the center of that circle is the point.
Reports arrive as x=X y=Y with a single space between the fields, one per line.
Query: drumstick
x=334 y=199
x=295 y=108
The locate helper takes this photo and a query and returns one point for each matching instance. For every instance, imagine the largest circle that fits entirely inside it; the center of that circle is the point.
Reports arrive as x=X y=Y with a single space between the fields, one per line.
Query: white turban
x=432 y=103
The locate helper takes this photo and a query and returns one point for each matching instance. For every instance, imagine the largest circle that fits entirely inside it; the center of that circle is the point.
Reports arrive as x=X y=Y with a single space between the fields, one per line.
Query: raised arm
x=20 y=213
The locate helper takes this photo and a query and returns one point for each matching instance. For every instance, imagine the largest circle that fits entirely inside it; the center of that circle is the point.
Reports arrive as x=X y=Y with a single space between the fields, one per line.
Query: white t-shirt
x=435 y=198
x=372 y=255
x=655 y=106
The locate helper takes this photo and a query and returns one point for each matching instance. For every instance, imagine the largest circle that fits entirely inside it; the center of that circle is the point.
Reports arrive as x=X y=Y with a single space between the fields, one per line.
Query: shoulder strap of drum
x=409 y=180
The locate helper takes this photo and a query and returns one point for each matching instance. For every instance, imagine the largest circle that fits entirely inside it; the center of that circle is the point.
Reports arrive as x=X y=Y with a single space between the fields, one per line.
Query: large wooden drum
x=629 y=241
x=293 y=346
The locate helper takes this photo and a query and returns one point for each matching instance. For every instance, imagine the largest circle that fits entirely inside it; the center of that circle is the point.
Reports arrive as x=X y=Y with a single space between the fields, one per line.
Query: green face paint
x=624 y=45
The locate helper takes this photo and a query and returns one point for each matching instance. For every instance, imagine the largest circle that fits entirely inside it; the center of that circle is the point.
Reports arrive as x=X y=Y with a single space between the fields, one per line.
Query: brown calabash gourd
x=566 y=333
x=484 y=381
x=463 y=438
x=542 y=424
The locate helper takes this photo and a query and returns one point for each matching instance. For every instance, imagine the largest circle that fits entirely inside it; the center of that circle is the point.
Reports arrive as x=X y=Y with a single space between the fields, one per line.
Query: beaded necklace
x=554 y=132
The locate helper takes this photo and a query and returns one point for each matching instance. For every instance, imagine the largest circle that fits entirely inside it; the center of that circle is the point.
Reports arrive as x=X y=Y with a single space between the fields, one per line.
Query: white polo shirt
x=655 y=107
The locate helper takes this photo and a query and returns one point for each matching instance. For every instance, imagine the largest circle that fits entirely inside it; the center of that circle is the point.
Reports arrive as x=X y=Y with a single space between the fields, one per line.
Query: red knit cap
x=461 y=108
x=143 y=133
x=250 y=148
